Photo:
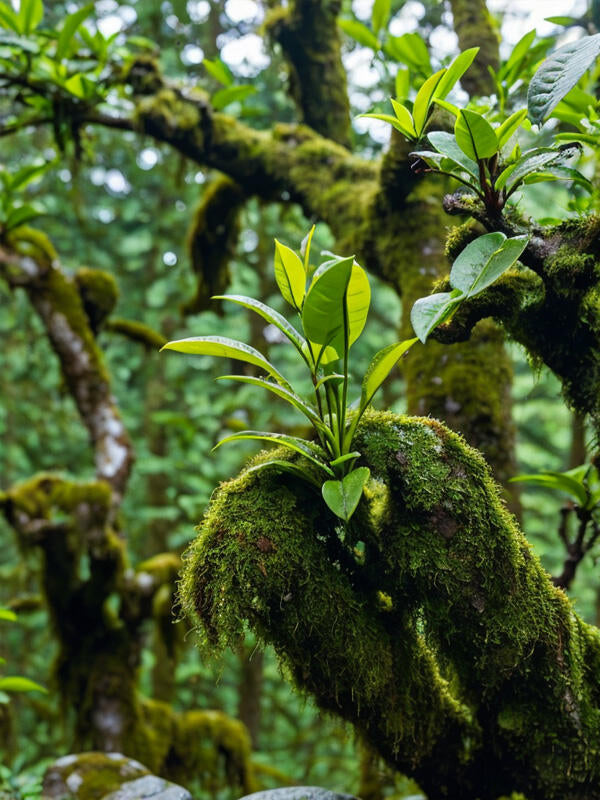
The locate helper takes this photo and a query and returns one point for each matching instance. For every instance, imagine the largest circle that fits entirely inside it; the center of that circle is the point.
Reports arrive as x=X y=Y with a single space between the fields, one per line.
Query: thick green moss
x=99 y=294
x=475 y=27
x=475 y=677
x=212 y=240
x=137 y=332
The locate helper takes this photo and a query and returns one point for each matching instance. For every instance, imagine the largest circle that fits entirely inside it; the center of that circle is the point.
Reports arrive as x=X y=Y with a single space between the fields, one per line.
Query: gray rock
x=149 y=787
x=299 y=793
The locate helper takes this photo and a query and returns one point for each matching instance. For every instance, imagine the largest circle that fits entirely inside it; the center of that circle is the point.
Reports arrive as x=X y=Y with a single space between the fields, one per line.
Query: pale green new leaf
x=455 y=71
x=343 y=496
x=290 y=275
x=359 y=32
x=14 y=683
x=380 y=367
x=358 y=300
x=323 y=312
x=404 y=116
x=305 y=249
x=429 y=312
x=311 y=451
x=225 y=348
x=380 y=14
x=409 y=132
x=269 y=314
x=8 y=615
x=475 y=136
x=69 y=29
x=8 y=18
x=231 y=94
x=218 y=70
x=509 y=127
x=31 y=13
x=424 y=99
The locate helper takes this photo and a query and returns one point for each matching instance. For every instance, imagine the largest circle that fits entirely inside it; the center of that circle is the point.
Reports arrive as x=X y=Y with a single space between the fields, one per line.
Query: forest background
x=133 y=207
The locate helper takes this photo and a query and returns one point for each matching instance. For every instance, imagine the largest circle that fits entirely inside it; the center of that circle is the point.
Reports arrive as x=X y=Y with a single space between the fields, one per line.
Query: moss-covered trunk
x=445 y=643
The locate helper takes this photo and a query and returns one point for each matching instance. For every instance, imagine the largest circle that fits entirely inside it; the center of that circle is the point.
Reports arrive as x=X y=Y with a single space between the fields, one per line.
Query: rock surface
x=299 y=793
x=106 y=776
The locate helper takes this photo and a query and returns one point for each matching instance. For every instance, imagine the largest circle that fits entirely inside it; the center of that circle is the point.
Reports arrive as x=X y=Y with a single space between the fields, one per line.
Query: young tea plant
x=332 y=303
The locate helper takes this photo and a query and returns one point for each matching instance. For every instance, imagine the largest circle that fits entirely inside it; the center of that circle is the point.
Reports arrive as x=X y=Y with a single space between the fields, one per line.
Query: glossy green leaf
x=24 y=176
x=14 y=683
x=534 y=161
x=410 y=49
x=287 y=466
x=558 y=74
x=358 y=300
x=445 y=143
x=559 y=173
x=218 y=70
x=225 y=348
x=311 y=451
x=269 y=314
x=429 y=312
x=475 y=136
x=69 y=29
x=557 y=481
x=281 y=391
x=409 y=132
x=323 y=312
x=8 y=18
x=8 y=615
x=509 y=127
x=290 y=275
x=31 y=13
x=509 y=70
x=380 y=367
x=346 y=457
x=305 y=249
x=484 y=260
x=342 y=497
x=402 y=84
x=404 y=117
x=21 y=216
x=455 y=71
x=359 y=32
x=231 y=94
x=380 y=15
x=424 y=99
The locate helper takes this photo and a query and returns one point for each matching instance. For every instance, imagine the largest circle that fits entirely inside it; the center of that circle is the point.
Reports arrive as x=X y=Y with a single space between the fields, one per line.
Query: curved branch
x=308 y=34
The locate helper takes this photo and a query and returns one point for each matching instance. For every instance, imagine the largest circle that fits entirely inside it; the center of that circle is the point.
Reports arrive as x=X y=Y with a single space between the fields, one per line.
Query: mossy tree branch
x=308 y=34
x=475 y=27
x=447 y=636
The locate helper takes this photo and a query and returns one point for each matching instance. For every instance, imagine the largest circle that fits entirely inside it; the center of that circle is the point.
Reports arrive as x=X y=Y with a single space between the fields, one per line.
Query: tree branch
x=475 y=27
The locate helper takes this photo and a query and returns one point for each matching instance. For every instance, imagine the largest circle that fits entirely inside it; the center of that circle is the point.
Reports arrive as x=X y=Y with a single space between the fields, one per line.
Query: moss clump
x=99 y=294
x=212 y=240
x=90 y=776
x=475 y=27
x=137 y=332
x=476 y=677
x=172 y=110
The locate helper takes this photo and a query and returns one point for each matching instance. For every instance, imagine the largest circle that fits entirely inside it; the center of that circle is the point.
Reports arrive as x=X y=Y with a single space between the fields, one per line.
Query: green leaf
x=8 y=615
x=31 y=13
x=410 y=49
x=286 y=466
x=475 y=136
x=380 y=15
x=323 y=312
x=404 y=117
x=558 y=173
x=225 y=348
x=380 y=367
x=290 y=275
x=424 y=99
x=269 y=314
x=510 y=69
x=80 y=86
x=231 y=94
x=445 y=143
x=286 y=394
x=558 y=74
x=69 y=29
x=305 y=249
x=358 y=300
x=218 y=70
x=402 y=84
x=509 y=127
x=14 y=683
x=359 y=32
x=484 y=260
x=409 y=132
x=559 y=482
x=429 y=312
x=26 y=175
x=22 y=215
x=8 y=18
x=534 y=161
x=455 y=71
x=308 y=449
x=342 y=497
x=566 y=21
x=346 y=457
